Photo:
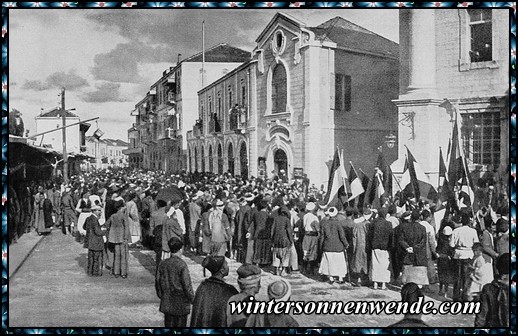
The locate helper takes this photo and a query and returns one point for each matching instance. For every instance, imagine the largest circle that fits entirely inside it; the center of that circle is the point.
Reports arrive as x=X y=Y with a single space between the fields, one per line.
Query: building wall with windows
x=454 y=65
x=319 y=88
x=107 y=152
x=218 y=141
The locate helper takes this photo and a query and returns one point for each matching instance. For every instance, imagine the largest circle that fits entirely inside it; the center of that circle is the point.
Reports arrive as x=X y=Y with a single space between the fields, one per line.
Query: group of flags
x=454 y=182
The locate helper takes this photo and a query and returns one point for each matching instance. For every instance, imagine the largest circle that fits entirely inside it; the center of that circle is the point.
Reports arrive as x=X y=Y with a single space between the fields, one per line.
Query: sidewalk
x=18 y=252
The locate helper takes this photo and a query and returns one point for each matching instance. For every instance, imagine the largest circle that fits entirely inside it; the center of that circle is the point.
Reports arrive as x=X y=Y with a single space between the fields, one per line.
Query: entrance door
x=243 y=160
x=280 y=161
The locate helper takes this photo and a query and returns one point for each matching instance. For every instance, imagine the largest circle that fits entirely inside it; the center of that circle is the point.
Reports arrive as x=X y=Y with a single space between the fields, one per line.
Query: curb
x=11 y=274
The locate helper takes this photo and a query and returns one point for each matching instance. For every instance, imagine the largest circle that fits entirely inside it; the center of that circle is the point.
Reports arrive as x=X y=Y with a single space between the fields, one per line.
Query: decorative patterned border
x=512 y=181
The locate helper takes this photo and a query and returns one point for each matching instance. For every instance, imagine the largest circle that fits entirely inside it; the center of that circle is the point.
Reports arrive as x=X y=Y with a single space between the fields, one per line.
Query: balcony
x=215 y=125
x=197 y=130
x=238 y=120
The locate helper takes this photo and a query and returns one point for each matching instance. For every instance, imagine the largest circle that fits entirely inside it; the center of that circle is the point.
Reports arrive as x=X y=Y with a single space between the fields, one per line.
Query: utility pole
x=64 y=135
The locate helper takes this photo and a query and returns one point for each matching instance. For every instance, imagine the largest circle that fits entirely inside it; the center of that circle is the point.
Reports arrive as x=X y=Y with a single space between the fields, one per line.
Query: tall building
x=308 y=90
x=454 y=66
x=170 y=108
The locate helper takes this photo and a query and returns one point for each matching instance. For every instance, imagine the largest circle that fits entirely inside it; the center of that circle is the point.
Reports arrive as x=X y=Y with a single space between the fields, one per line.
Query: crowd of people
x=274 y=225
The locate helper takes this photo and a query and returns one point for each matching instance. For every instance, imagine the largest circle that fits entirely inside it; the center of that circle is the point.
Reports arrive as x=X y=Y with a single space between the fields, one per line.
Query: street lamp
x=390 y=140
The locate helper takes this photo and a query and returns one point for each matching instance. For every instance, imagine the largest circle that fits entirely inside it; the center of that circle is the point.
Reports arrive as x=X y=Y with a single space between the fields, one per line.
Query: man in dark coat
x=412 y=241
x=94 y=242
x=380 y=237
x=174 y=288
x=210 y=302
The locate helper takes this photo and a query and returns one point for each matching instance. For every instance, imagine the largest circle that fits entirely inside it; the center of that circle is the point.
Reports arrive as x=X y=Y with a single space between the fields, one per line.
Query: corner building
x=306 y=91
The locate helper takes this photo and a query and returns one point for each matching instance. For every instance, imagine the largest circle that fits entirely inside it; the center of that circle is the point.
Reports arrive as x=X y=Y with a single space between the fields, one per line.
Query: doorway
x=280 y=161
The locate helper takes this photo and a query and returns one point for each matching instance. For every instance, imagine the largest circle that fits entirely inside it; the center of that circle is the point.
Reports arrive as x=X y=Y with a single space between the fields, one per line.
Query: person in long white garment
x=381 y=244
x=334 y=246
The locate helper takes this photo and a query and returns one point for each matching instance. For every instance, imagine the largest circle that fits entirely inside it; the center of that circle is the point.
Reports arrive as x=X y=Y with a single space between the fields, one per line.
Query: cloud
x=71 y=81
x=120 y=65
x=35 y=85
x=106 y=92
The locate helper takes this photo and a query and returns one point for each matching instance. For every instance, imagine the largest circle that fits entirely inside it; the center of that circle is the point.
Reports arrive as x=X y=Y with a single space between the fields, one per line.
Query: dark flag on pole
x=337 y=177
x=365 y=185
x=386 y=173
x=458 y=173
x=415 y=181
x=355 y=184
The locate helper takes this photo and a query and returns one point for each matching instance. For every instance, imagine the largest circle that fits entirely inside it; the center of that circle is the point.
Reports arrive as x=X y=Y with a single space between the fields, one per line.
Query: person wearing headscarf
x=83 y=208
x=249 y=281
x=359 y=258
x=194 y=218
x=174 y=287
x=310 y=241
x=445 y=269
x=282 y=240
x=333 y=245
x=220 y=229
x=279 y=290
x=210 y=302
x=261 y=227
x=410 y=293
x=412 y=241
x=134 y=218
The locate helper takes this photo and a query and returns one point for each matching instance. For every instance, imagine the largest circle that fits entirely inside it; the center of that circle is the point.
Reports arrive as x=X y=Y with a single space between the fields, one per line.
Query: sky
x=108 y=58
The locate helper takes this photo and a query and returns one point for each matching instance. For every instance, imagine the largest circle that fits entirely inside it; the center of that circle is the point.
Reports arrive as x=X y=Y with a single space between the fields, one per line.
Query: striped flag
x=458 y=172
x=355 y=184
x=415 y=181
x=337 y=175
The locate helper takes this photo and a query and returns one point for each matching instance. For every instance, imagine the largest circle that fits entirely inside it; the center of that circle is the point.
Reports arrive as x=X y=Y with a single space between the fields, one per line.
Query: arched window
x=220 y=160
x=230 y=157
x=279 y=89
x=211 y=162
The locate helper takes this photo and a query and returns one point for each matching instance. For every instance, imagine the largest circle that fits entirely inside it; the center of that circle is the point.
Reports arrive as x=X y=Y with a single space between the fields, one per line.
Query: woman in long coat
x=282 y=239
x=42 y=213
x=118 y=239
x=261 y=228
x=206 y=232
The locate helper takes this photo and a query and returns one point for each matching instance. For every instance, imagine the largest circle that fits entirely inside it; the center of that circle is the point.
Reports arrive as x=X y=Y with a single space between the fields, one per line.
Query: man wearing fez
x=249 y=281
x=210 y=302
x=174 y=288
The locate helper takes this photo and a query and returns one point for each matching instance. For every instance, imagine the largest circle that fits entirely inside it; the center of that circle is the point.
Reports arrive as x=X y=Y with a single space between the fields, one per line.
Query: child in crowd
x=482 y=273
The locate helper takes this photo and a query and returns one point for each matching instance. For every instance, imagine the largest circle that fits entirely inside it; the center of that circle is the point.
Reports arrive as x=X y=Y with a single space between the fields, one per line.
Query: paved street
x=51 y=289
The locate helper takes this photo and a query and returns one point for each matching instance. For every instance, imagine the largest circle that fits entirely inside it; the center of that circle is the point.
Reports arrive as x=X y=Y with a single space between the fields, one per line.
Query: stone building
x=308 y=90
x=107 y=153
x=454 y=65
x=170 y=108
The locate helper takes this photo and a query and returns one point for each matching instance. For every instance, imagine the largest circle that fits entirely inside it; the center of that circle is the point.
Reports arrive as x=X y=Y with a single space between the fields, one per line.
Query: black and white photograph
x=225 y=168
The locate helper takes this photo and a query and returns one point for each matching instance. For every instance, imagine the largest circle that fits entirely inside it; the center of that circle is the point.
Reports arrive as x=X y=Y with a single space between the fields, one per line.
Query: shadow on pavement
x=146 y=260
x=82 y=261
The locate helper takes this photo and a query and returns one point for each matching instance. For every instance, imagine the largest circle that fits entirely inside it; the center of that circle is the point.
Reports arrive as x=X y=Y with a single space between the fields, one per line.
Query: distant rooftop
x=109 y=142
x=349 y=35
x=221 y=53
x=56 y=112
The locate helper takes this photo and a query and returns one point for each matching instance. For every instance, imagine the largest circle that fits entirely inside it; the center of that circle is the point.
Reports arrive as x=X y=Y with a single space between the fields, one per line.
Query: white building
x=108 y=153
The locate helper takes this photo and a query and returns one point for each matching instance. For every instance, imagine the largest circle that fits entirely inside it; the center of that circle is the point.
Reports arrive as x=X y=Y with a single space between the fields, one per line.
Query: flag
x=365 y=185
x=446 y=192
x=355 y=184
x=419 y=182
x=386 y=173
x=337 y=175
x=458 y=172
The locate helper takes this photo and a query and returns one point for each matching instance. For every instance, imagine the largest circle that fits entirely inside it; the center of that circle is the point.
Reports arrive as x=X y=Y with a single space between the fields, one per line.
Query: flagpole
x=397 y=182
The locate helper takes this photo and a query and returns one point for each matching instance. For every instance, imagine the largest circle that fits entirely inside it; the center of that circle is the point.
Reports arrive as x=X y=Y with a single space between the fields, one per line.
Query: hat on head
x=310 y=206
x=447 y=231
x=332 y=212
x=367 y=213
x=95 y=207
x=219 y=203
x=213 y=263
x=279 y=290
x=245 y=271
x=406 y=215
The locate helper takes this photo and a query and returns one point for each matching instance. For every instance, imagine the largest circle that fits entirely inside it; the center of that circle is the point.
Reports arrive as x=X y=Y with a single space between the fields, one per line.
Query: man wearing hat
x=94 y=242
x=194 y=218
x=68 y=210
x=310 y=242
x=410 y=293
x=210 y=302
x=243 y=218
x=174 y=288
x=279 y=290
x=334 y=245
x=412 y=241
x=249 y=281
x=381 y=244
